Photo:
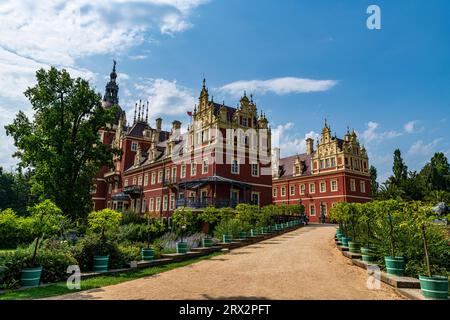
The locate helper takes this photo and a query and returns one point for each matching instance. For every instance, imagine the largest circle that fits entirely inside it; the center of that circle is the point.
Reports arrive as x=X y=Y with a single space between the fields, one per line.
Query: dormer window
x=134 y=146
x=245 y=122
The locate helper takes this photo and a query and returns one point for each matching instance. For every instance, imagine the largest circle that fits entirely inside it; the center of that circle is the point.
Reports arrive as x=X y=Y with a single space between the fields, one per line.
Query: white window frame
x=313 y=189
x=352 y=185
x=183 y=171
x=151 y=204
x=255 y=168
x=302 y=189
x=205 y=166
x=283 y=191
x=158 y=204
x=362 y=185
x=331 y=185
x=165 y=202
x=153 y=181
x=146 y=180
x=322 y=187
x=292 y=190
x=235 y=168
x=172 y=202
x=193 y=169
x=134 y=146
x=312 y=208
x=275 y=192
x=259 y=197
x=160 y=176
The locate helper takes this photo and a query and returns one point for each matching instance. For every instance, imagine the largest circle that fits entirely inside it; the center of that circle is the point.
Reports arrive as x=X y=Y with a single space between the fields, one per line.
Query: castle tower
x=111 y=96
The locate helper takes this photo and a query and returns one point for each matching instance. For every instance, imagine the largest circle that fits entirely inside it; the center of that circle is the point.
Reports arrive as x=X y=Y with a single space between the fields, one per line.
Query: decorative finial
x=146 y=116
x=204 y=82
x=251 y=98
x=245 y=93
x=135 y=111
x=114 y=65
x=139 y=113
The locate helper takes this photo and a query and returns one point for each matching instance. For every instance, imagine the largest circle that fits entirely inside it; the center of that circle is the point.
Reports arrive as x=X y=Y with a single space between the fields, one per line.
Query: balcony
x=133 y=190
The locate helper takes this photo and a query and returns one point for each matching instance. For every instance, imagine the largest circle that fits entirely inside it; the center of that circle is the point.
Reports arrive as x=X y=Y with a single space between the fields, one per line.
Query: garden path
x=303 y=264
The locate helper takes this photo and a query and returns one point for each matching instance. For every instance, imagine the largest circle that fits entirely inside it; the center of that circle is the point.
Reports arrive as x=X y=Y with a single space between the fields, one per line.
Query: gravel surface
x=303 y=264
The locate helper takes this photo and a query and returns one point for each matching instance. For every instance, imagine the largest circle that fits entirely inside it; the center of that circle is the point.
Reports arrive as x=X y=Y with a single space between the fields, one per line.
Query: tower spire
x=146 y=116
x=139 y=113
x=135 y=111
x=111 y=96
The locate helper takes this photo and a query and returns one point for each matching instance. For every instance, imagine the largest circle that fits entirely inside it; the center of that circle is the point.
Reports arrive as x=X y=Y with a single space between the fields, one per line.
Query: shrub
x=231 y=227
x=132 y=217
x=130 y=252
x=93 y=245
x=184 y=221
x=54 y=266
x=14 y=230
x=129 y=233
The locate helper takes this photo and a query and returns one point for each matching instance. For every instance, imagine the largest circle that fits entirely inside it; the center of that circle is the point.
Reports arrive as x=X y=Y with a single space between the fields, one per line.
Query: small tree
x=184 y=220
x=47 y=220
x=105 y=222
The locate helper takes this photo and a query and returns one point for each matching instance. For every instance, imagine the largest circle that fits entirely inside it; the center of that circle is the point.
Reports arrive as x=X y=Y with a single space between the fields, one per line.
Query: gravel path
x=303 y=264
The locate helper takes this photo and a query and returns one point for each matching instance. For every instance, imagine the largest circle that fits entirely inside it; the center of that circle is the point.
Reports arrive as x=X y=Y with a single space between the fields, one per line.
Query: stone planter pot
x=147 y=254
x=254 y=232
x=101 y=263
x=435 y=287
x=31 y=277
x=354 y=246
x=395 y=265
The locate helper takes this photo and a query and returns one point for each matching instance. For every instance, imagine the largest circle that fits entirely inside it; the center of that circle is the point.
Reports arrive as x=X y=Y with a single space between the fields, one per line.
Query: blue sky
x=304 y=61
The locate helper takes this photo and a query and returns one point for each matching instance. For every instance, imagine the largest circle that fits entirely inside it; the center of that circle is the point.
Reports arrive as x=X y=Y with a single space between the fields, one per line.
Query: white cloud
x=166 y=98
x=138 y=57
x=420 y=148
x=290 y=143
x=279 y=86
x=371 y=134
x=411 y=127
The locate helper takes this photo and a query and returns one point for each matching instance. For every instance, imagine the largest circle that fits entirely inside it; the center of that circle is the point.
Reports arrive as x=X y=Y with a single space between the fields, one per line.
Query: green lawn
x=97 y=282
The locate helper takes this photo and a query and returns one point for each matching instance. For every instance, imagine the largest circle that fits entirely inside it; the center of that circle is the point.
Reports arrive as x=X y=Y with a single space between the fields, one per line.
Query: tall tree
x=373 y=180
x=399 y=169
x=61 y=144
x=436 y=173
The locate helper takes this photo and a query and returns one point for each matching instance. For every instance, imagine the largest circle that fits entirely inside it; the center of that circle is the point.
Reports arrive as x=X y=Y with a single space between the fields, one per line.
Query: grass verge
x=60 y=288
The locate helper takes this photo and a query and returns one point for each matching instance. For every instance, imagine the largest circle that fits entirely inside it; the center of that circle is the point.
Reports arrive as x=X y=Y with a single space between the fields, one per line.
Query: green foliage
x=14 y=230
x=54 y=266
x=395 y=228
x=15 y=191
x=142 y=232
x=247 y=214
x=47 y=219
x=373 y=180
x=226 y=213
x=184 y=221
x=230 y=227
x=105 y=222
x=209 y=215
x=94 y=245
x=131 y=216
x=61 y=142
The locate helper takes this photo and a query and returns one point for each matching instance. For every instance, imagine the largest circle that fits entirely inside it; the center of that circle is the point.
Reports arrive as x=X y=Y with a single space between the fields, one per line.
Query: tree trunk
x=425 y=245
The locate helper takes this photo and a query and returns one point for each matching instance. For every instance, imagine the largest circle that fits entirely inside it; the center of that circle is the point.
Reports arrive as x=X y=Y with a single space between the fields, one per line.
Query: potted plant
x=46 y=220
x=367 y=215
x=105 y=223
x=148 y=253
x=183 y=220
x=432 y=286
x=354 y=213
x=182 y=245
x=395 y=265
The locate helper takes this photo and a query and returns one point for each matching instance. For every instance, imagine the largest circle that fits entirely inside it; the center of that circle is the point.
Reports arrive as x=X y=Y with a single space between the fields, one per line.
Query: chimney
x=275 y=161
x=158 y=124
x=176 y=125
x=309 y=146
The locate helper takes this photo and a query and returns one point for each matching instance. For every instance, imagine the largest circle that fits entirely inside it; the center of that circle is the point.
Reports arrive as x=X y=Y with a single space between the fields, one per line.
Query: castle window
x=312 y=210
x=174 y=174
x=333 y=162
x=153 y=178
x=205 y=168
x=172 y=202
x=334 y=185
x=283 y=191
x=144 y=205
x=323 y=187
x=352 y=185
x=322 y=164
x=134 y=146
x=302 y=189
x=125 y=184
x=275 y=191
x=327 y=163
x=193 y=169
x=146 y=180
x=151 y=205
x=183 y=171
x=255 y=170
x=292 y=190
x=235 y=167
x=312 y=188
x=245 y=122
x=363 y=186
x=134 y=181
x=160 y=176
x=165 y=202
x=158 y=204
x=140 y=181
